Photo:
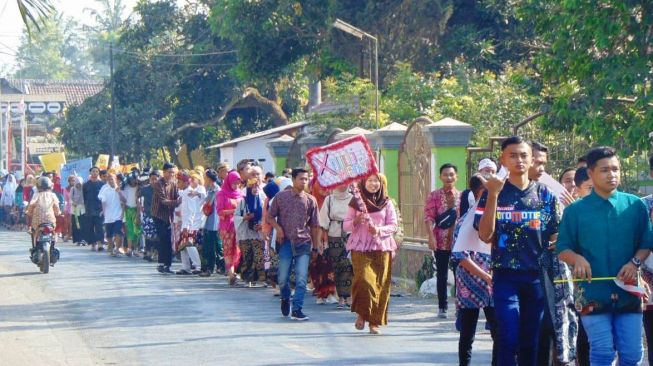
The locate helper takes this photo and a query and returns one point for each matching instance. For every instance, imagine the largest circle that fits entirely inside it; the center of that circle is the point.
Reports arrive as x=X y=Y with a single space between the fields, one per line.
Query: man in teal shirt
x=607 y=234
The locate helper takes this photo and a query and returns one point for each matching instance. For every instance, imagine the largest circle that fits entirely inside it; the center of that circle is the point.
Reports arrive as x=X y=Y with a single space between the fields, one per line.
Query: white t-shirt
x=192 y=217
x=110 y=199
x=130 y=196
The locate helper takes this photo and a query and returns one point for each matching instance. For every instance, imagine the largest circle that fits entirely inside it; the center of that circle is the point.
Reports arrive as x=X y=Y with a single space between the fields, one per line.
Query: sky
x=11 y=24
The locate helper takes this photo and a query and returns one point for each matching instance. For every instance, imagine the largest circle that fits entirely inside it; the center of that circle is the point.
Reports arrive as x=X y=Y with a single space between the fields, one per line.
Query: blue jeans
x=286 y=259
x=519 y=306
x=611 y=334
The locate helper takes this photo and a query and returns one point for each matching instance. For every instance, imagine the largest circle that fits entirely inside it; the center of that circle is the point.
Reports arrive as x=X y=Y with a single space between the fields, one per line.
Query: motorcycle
x=44 y=254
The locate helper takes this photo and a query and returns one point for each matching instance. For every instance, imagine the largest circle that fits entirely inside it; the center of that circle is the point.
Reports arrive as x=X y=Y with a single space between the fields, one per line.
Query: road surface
x=95 y=310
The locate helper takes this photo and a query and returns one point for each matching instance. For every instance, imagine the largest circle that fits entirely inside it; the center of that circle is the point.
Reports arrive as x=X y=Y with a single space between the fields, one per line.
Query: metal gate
x=414 y=179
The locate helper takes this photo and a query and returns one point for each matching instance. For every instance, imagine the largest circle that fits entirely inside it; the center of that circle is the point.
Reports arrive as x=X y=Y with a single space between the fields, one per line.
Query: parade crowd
x=556 y=273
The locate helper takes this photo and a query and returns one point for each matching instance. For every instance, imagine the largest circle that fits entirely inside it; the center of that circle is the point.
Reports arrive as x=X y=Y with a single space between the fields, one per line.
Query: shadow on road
x=20 y=274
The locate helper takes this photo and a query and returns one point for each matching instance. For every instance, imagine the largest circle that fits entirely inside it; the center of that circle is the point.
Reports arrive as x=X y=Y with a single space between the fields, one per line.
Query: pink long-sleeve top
x=362 y=241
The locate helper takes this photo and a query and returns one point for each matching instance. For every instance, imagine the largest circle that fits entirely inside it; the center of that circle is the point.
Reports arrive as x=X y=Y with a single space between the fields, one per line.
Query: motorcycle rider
x=43 y=208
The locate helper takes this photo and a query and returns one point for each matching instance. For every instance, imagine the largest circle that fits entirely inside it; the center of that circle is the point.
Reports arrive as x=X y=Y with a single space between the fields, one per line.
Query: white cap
x=486 y=163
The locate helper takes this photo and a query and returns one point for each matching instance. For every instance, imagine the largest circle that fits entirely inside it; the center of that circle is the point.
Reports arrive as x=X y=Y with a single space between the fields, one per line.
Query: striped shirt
x=164 y=199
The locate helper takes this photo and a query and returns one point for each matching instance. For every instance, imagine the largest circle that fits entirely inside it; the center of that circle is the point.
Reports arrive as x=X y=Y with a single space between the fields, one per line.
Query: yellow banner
x=52 y=162
x=126 y=169
x=102 y=161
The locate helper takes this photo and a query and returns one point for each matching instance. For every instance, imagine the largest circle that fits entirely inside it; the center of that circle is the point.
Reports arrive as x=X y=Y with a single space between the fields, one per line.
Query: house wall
x=252 y=149
x=227 y=156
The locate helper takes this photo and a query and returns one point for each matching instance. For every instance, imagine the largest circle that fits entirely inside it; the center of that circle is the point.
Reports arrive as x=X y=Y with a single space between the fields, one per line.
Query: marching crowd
x=556 y=273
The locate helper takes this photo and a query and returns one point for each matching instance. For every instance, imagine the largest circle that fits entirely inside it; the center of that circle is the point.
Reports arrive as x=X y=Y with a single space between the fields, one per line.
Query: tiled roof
x=74 y=90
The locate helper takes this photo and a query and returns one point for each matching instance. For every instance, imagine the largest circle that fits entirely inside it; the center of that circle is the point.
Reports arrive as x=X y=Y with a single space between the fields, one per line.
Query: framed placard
x=342 y=162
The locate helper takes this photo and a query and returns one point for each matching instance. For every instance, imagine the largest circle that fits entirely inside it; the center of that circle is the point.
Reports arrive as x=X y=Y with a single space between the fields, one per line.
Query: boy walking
x=606 y=234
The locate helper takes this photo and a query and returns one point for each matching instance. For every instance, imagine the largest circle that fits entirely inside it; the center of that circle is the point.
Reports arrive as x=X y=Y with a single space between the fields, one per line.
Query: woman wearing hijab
x=8 y=197
x=372 y=220
x=78 y=222
x=332 y=216
x=249 y=232
x=57 y=189
x=226 y=203
x=68 y=208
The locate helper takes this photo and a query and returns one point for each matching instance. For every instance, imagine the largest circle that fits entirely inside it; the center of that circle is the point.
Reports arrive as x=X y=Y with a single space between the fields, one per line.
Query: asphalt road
x=95 y=310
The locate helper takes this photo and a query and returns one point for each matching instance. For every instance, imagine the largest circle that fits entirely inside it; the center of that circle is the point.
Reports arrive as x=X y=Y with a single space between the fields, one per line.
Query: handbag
x=446 y=219
x=207 y=207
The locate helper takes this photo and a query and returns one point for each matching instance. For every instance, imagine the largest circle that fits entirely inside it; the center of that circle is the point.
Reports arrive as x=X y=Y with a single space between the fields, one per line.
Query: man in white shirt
x=112 y=208
x=192 y=221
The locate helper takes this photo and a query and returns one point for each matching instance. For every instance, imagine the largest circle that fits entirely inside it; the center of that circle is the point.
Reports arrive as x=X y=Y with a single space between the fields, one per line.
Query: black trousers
x=583 y=344
x=442 y=275
x=76 y=231
x=468 y=321
x=94 y=229
x=164 y=233
x=648 y=330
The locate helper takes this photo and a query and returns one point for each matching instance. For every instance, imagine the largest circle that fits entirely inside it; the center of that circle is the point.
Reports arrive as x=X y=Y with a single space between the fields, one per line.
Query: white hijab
x=9 y=192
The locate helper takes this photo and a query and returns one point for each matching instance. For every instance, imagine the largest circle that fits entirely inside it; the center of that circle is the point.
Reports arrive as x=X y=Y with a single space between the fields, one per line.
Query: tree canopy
x=215 y=69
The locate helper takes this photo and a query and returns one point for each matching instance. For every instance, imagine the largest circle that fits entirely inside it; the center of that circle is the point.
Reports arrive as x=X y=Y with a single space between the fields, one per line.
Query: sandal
x=360 y=323
x=374 y=329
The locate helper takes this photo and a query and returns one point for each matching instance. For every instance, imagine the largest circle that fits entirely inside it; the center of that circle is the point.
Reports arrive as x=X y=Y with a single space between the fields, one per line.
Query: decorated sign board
x=342 y=162
x=52 y=162
x=78 y=167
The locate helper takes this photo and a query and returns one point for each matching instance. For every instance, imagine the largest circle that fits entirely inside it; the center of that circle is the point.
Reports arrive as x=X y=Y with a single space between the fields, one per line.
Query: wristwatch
x=636 y=261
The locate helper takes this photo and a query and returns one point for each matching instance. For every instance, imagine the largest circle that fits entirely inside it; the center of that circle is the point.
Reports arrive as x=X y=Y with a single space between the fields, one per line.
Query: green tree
x=34 y=12
x=56 y=52
x=596 y=62
x=108 y=20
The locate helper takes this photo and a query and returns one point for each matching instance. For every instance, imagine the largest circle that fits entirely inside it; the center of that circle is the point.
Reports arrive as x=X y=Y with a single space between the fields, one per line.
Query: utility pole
x=112 y=123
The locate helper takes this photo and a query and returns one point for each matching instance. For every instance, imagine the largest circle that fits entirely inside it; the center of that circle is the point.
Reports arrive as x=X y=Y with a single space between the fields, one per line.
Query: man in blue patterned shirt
x=519 y=217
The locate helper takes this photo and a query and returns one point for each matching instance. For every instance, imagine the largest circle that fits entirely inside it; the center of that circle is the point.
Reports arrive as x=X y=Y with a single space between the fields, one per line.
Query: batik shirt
x=525 y=221
x=436 y=204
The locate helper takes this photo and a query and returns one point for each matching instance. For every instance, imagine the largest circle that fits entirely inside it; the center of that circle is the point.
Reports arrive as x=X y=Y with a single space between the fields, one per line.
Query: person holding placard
x=372 y=221
x=519 y=217
x=607 y=233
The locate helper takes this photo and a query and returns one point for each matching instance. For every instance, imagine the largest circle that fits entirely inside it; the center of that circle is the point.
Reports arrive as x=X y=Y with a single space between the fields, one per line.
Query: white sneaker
x=320 y=301
x=331 y=299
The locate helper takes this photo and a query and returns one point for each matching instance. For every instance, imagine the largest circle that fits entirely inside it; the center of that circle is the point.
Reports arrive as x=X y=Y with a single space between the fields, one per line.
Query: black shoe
x=205 y=274
x=285 y=307
x=159 y=268
x=183 y=272
x=298 y=315
x=166 y=269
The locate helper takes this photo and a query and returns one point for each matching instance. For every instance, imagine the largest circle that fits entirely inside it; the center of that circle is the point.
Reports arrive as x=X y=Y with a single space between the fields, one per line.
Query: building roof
x=394 y=126
x=280 y=130
x=75 y=91
x=449 y=122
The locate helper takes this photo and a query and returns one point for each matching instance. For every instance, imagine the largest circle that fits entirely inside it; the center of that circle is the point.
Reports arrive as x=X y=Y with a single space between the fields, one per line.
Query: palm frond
x=34 y=11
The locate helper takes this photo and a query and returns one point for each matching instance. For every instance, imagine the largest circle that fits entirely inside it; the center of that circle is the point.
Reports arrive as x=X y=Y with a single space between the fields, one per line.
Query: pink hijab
x=226 y=189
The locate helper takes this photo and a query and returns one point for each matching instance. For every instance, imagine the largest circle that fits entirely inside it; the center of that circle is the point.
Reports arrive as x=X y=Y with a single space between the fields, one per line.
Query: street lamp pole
x=358 y=33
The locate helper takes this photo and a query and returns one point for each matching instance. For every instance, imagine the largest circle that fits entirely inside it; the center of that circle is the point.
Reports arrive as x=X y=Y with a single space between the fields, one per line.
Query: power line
x=164 y=62
x=174 y=55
